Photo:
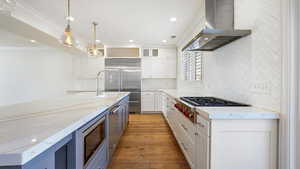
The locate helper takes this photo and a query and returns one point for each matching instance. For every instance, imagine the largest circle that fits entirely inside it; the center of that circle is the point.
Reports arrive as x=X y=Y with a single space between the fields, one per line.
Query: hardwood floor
x=148 y=143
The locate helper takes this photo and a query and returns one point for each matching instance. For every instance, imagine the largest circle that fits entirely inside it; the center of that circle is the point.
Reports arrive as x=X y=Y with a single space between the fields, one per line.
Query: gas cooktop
x=211 y=102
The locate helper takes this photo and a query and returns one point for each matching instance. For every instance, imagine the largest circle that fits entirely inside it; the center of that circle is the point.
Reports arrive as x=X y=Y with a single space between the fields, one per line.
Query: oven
x=188 y=111
x=92 y=144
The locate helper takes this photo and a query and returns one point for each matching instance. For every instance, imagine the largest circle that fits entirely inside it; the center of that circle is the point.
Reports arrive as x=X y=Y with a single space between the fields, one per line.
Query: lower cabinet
x=148 y=102
x=202 y=149
x=152 y=102
x=225 y=144
x=59 y=156
x=39 y=162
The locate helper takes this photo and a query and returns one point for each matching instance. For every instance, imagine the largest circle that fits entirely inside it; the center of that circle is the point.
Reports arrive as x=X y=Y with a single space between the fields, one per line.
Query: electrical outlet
x=262 y=88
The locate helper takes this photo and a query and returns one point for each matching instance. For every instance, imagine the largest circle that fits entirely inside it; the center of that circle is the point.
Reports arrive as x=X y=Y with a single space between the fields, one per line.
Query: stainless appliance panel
x=125 y=75
x=112 y=80
x=91 y=142
x=131 y=80
x=93 y=138
x=115 y=128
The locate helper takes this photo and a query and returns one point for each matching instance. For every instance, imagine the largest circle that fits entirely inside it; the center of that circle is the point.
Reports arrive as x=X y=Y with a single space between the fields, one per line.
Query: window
x=150 y=52
x=192 y=65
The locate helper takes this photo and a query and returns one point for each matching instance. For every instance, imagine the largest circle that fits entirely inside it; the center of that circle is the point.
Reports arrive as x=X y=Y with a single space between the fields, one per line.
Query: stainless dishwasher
x=115 y=128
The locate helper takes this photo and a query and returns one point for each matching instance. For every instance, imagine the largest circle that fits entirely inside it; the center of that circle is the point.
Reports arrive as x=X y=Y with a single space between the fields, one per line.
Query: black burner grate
x=211 y=102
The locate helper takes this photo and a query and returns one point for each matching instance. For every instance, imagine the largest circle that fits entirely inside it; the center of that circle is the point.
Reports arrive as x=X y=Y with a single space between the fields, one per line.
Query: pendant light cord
x=68 y=11
x=94 y=38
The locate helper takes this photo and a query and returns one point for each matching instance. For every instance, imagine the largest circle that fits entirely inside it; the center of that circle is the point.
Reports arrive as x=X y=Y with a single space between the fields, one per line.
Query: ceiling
x=144 y=21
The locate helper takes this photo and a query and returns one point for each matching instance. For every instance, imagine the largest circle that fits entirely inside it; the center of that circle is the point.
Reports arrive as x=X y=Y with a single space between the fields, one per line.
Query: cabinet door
x=164 y=104
x=148 y=102
x=44 y=161
x=202 y=151
x=147 y=67
x=169 y=71
x=158 y=102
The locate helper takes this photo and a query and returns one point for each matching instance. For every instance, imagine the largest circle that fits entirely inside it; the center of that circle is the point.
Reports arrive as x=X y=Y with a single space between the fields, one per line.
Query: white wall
x=153 y=84
x=248 y=70
x=28 y=74
x=85 y=72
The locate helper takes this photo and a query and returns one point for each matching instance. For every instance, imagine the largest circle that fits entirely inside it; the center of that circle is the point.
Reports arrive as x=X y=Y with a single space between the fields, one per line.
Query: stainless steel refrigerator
x=123 y=74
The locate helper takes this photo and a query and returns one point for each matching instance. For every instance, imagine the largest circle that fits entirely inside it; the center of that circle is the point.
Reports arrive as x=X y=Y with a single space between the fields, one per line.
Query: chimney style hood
x=219 y=29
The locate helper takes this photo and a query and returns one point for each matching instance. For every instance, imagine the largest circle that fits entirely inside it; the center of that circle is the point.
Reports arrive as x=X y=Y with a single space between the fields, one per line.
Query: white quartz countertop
x=226 y=112
x=236 y=113
x=28 y=129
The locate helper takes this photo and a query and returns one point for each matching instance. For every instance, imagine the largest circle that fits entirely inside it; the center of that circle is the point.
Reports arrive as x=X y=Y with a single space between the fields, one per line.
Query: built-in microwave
x=92 y=144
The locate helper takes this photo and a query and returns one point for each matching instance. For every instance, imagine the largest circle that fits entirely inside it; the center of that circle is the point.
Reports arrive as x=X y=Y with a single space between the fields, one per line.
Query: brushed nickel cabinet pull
x=184 y=127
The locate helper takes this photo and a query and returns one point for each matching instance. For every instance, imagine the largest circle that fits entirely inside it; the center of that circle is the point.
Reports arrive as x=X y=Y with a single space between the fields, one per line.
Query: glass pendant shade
x=94 y=48
x=7 y=6
x=67 y=38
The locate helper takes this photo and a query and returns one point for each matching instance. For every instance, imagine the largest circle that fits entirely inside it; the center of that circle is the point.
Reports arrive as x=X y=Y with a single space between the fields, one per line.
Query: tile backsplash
x=247 y=70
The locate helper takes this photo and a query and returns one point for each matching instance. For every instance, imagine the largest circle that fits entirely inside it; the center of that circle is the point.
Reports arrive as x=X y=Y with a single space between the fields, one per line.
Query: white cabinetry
x=148 y=52
x=148 y=101
x=224 y=144
x=162 y=66
x=247 y=144
x=152 y=101
x=158 y=101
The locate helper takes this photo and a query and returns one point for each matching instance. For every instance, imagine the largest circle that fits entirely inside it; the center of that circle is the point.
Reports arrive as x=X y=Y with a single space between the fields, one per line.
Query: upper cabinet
x=123 y=52
x=164 y=65
x=150 y=52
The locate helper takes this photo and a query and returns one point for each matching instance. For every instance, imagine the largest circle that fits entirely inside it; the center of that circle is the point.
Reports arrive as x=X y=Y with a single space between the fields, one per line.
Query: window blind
x=192 y=65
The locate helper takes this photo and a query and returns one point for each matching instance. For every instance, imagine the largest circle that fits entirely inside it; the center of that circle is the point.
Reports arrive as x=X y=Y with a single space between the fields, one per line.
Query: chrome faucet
x=98 y=81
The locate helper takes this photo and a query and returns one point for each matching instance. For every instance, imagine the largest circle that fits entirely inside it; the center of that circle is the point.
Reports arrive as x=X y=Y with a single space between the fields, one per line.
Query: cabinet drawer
x=187 y=142
x=203 y=125
x=185 y=124
x=100 y=160
x=188 y=150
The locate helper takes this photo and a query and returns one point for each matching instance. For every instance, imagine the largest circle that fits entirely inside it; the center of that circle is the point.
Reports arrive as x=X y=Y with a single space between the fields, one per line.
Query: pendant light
x=67 y=38
x=94 y=48
x=7 y=6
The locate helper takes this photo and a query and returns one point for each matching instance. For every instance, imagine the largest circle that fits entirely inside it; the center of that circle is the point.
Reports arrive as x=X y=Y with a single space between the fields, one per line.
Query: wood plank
x=148 y=143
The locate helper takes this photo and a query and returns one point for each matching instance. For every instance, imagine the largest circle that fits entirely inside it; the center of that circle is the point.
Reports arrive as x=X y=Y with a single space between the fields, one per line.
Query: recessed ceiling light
x=131 y=41
x=98 y=41
x=34 y=140
x=164 y=41
x=173 y=19
x=70 y=18
x=33 y=41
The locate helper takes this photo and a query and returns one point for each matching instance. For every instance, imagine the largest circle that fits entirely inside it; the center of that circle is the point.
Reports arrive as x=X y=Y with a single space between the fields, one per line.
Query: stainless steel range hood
x=219 y=29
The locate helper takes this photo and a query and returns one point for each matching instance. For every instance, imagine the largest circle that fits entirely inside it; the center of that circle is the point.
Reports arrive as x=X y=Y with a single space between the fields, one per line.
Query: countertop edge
x=261 y=114
x=18 y=159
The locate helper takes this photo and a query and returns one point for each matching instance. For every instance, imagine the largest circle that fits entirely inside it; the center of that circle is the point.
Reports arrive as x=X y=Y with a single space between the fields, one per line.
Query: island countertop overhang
x=29 y=129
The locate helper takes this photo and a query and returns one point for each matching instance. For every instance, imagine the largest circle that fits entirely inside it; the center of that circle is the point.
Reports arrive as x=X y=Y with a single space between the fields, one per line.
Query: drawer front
x=188 y=150
x=203 y=125
x=185 y=124
x=100 y=159
x=187 y=142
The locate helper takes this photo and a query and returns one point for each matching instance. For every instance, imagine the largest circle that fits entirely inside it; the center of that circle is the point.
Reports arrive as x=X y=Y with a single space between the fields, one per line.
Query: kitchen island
x=28 y=131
